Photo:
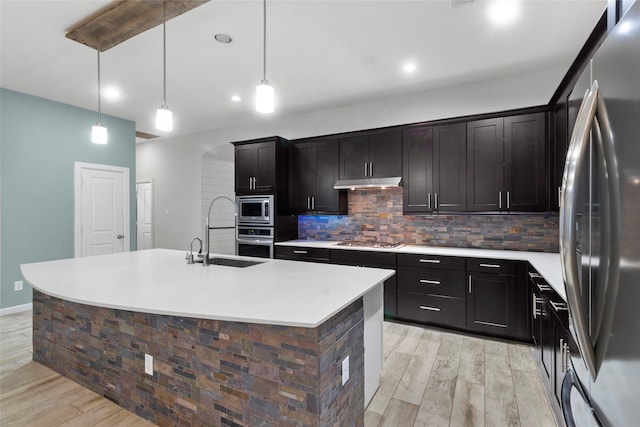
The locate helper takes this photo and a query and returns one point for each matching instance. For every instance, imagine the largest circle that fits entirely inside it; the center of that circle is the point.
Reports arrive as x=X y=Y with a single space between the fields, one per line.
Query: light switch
x=345 y=370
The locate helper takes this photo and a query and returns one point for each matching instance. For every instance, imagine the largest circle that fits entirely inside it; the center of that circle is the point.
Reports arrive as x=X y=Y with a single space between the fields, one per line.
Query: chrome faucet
x=190 y=254
x=207 y=228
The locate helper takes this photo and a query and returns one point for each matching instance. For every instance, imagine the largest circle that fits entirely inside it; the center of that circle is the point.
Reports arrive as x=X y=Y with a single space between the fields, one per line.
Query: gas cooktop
x=365 y=244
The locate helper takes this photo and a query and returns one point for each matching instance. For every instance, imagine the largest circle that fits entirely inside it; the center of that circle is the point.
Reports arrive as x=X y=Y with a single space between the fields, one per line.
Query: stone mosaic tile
x=376 y=215
x=207 y=372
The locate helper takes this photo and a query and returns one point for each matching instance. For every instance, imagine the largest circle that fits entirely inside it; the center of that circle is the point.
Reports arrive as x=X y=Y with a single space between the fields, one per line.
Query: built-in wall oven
x=255 y=232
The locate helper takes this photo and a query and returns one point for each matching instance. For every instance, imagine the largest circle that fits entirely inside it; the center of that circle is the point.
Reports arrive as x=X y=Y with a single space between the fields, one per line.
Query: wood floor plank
x=45 y=417
x=393 y=370
x=371 y=419
x=409 y=342
x=468 y=405
x=521 y=358
x=399 y=413
x=472 y=360
x=437 y=402
x=414 y=381
x=500 y=405
x=496 y=356
x=531 y=400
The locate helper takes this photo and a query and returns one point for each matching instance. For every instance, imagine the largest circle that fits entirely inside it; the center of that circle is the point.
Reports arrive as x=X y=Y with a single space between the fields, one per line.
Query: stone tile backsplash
x=376 y=215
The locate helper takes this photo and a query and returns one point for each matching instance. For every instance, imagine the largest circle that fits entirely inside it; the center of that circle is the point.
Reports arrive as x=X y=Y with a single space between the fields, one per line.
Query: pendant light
x=99 y=132
x=264 y=91
x=164 y=116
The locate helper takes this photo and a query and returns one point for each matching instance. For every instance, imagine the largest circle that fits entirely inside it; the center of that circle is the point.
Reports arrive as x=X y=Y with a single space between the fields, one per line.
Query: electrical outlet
x=148 y=364
x=18 y=285
x=345 y=370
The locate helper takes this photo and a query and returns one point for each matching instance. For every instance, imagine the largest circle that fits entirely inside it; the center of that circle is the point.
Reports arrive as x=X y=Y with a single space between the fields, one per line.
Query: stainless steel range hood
x=354 y=184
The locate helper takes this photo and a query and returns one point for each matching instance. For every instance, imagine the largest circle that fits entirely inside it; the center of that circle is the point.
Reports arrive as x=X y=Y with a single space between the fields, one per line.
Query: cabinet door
x=525 y=165
x=354 y=157
x=485 y=158
x=417 y=170
x=385 y=154
x=265 y=167
x=449 y=167
x=302 y=177
x=491 y=303
x=246 y=160
x=559 y=151
x=326 y=199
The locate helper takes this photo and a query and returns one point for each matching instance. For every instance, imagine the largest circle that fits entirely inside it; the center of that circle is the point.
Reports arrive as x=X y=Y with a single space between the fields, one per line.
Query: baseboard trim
x=16 y=309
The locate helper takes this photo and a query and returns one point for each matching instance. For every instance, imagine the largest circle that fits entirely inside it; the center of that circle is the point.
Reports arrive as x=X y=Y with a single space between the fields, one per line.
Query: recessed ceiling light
x=236 y=98
x=222 y=38
x=504 y=12
x=409 y=67
x=111 y=93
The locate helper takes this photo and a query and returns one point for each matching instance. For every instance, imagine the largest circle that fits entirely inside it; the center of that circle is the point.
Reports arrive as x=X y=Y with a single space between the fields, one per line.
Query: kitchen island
x=260 y=345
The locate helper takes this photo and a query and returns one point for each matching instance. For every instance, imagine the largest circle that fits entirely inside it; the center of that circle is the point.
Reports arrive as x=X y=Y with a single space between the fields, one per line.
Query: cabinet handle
x=435 y=205
x=500 y=200
x=508 y=199
x=490 y=265
x=535 y=306
x=542 y=287
x=366 y=169
x=429 y=201
x=308 y=203
x=313 y=203
x=370 y=168
x=470 y=289
x=558 y=306
x=424 y=307
x=300 y=252
x=429 y=282
x=566 y=354
x=431 y=261
x=559 y=196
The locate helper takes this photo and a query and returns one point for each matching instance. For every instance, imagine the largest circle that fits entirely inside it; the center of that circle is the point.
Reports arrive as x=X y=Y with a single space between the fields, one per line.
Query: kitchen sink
x=230 y=262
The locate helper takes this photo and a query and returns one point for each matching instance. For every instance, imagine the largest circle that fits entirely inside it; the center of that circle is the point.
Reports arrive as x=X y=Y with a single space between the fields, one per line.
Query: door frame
x=78 y=167
x=153 y=223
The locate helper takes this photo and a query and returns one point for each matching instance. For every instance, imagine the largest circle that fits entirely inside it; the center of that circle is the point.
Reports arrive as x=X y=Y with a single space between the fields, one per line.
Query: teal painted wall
x=39 y=142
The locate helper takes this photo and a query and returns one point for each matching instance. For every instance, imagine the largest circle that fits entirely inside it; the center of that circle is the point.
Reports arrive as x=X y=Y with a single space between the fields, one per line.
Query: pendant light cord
x=164 y=54
x=99 y=91
x=264 y=40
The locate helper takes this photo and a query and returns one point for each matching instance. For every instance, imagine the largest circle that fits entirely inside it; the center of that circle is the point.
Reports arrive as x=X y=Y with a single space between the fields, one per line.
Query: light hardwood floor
x=431 y=378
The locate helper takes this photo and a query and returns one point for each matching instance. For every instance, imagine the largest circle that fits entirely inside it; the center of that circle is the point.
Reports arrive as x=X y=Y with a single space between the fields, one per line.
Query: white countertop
x=547 y=264
x=276 y=292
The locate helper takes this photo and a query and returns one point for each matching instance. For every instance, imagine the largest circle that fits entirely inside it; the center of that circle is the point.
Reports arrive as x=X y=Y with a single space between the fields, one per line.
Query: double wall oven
x=256 y=219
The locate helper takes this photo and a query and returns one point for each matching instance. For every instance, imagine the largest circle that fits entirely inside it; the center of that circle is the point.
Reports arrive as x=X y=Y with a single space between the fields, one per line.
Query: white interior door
x=102 y=209
x=144 y=191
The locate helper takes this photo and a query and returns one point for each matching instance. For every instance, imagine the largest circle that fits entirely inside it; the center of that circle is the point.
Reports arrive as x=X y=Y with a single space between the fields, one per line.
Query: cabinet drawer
x=488 y=265
x=301 y=253
x=432 y=281
x=432 y=309
x=431 y=261
x=364 y=258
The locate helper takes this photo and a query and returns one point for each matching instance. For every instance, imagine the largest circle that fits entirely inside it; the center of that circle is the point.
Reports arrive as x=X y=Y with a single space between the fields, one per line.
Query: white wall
x=175 y=163
x=217 y=180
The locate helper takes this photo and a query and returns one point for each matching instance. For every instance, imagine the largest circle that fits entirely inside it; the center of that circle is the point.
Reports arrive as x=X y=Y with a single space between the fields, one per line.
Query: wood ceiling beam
x=122 y=19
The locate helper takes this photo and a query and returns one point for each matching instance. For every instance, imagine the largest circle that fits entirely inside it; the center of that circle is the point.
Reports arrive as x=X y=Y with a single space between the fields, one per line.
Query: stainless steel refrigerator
x=600 y=235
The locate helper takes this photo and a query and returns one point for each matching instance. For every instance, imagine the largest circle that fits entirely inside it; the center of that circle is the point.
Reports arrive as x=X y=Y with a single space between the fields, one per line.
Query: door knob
x=120 y=236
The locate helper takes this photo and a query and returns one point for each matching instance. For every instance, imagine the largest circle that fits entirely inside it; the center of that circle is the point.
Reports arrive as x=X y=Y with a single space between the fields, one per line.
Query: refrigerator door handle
x=611 y=252
x=573 y=171
x=569 y=383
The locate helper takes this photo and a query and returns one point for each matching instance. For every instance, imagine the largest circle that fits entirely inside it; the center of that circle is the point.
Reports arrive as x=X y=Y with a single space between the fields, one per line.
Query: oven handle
x=265 y=242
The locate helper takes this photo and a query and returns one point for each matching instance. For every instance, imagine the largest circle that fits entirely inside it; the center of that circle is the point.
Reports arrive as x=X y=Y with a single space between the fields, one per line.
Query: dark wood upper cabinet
x=261 y=166
x=313 y=172
x=434 y=173
x=373 y=155
x=485 y=161
x=525 y=165
x=506 y=164
x=449 y=168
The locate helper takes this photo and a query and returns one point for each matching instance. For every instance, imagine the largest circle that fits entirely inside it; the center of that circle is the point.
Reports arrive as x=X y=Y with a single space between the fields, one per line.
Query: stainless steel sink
x=227 y=262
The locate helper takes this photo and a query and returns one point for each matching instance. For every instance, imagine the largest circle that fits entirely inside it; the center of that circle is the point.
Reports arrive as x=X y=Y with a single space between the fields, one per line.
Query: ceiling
x=320 y=53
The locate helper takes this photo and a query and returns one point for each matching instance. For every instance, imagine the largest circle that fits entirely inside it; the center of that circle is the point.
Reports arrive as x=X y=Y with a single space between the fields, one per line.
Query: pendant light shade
x=99 y=132
x=164 y=116
x=164 y=119
x=265 y=98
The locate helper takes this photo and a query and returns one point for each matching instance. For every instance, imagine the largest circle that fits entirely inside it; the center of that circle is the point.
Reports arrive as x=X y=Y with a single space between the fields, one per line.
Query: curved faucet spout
x=207 y=228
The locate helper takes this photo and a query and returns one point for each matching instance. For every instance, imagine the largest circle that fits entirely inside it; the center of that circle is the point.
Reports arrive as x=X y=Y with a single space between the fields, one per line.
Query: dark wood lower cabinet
x=439 y=310
x=491 y=304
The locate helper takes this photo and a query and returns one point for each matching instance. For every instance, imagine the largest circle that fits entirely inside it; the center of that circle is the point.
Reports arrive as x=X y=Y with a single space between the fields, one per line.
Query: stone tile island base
x=207 y=372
